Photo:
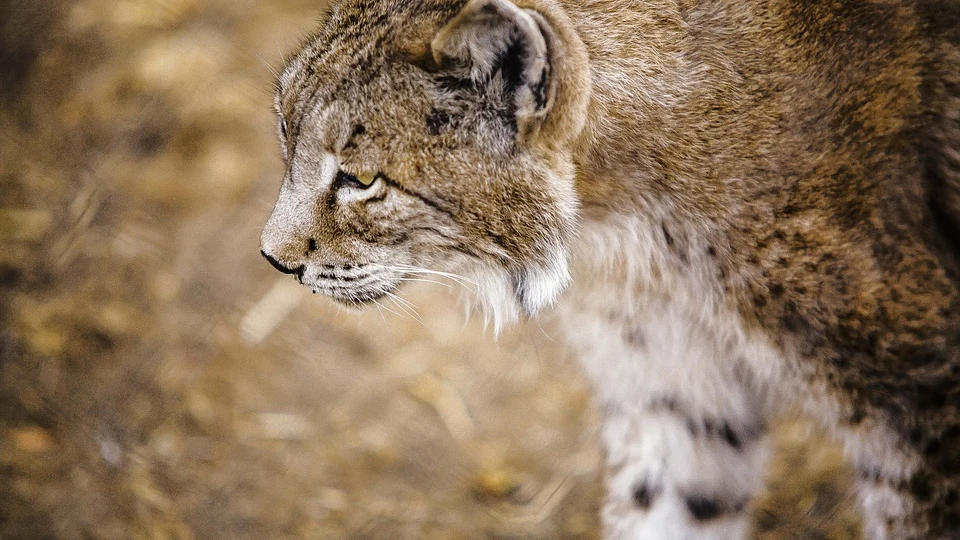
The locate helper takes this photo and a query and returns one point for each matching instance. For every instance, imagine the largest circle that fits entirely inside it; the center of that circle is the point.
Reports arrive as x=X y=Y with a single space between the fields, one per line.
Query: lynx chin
x=733 y=208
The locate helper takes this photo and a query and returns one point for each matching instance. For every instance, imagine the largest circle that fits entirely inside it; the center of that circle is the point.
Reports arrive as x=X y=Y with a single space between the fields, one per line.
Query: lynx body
x=732 y=207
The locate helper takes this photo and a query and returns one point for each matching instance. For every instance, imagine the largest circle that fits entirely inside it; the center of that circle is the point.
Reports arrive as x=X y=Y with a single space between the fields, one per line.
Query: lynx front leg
x=685 y=414
x=677 y=472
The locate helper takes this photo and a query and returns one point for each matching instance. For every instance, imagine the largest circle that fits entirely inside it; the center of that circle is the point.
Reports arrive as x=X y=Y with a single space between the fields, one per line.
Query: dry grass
x=159 y=381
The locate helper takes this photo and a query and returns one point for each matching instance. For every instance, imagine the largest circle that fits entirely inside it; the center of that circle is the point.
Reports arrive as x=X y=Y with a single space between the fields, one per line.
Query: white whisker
x=419 y=270
x=379 y=305
x=405 y=302
x=273 y=70
x=544 y=332
x=448 y=275
x=410 y=309
x=423 y=280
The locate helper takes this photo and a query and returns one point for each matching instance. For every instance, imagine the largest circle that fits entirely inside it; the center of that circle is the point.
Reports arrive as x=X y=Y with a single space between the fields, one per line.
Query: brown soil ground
x=158 y=380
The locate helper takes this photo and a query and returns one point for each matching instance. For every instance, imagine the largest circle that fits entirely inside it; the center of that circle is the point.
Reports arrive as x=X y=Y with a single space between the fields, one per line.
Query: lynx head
x=430 y=135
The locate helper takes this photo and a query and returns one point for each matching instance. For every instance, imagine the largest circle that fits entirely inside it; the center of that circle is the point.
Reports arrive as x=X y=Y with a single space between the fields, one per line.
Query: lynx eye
x=359 y=181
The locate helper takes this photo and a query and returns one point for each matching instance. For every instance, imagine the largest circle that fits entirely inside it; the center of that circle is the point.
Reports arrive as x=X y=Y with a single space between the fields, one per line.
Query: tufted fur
x=758 y=203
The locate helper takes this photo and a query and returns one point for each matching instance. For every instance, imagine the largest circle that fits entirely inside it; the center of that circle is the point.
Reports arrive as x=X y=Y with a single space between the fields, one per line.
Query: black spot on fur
x=644 y=495
x=920 y=486
x=729 y=436
x=666 y=234
x=311 y=245
x=869 y=475
x=703 y=509
x=665 y=404
x=635 y=337
x=150 y=142
x=10 y=276
x=916 y=435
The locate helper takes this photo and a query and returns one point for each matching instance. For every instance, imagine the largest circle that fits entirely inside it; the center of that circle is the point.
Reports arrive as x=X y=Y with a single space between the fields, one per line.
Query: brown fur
x=812 y=147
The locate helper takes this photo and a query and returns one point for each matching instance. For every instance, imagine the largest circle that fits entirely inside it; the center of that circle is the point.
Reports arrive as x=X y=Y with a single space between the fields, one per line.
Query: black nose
x=276 y=264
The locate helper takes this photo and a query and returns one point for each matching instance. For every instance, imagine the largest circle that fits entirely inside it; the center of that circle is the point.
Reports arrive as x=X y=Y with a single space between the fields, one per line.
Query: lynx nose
x=276 y=264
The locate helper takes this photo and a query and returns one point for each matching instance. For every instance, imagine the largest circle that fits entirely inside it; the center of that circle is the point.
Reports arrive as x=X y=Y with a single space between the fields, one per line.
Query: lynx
x=732 y=208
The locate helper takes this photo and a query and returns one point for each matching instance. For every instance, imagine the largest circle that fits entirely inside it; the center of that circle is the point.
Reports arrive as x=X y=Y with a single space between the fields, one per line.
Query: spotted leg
x=677 y=471
x=684 y=425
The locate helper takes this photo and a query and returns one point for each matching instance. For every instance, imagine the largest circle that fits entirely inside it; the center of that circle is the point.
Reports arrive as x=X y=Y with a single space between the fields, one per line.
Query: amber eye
x=359 y=181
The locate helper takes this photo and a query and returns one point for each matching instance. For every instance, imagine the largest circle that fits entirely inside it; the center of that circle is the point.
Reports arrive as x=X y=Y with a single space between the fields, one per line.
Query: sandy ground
x=158 y=380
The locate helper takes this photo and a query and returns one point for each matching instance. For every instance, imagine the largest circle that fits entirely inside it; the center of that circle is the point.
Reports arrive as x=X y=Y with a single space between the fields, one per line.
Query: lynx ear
x=498 y=41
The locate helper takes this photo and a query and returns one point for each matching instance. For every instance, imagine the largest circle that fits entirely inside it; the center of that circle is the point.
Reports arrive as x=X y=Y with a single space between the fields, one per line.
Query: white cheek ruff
x=494 y=297
x=503 y=296
x=540 y=285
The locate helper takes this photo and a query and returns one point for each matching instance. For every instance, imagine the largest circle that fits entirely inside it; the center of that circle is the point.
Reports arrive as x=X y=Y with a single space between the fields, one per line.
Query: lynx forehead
x=757 y=205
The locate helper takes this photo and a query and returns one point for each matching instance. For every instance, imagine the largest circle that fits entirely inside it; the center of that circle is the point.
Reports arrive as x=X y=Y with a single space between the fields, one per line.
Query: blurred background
x=158 y=380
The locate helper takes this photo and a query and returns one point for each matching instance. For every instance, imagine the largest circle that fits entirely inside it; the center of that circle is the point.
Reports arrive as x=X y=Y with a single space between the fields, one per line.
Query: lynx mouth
x=355 y=299
x=350 y=286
